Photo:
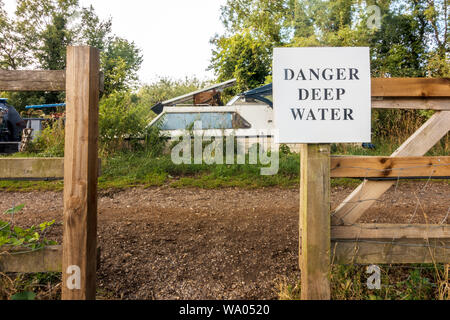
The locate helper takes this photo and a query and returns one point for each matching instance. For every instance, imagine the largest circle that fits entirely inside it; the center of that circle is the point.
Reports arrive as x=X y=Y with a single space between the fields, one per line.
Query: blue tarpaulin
x=43 y=106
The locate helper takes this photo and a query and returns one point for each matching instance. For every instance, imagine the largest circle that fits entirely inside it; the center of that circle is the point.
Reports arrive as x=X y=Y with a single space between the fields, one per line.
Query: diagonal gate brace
x=356 y=204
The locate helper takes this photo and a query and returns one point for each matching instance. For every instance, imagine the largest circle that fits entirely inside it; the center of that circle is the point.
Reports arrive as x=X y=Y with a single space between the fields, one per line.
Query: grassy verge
x=129 y=170
x=414 y=282
x=143 y=169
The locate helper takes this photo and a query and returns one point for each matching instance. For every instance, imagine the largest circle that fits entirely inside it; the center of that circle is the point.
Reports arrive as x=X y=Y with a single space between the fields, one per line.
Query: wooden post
x=315 y=226
x=80 y=174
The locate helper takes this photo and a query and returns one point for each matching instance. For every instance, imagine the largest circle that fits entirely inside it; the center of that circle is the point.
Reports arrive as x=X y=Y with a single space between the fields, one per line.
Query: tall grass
x=414 y=282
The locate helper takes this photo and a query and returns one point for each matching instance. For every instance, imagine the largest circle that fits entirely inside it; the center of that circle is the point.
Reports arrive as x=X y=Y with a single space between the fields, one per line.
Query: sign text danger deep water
x=322 y=95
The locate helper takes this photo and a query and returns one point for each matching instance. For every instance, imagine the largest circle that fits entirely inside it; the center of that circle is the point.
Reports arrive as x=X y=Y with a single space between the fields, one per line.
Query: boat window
x=210 y=120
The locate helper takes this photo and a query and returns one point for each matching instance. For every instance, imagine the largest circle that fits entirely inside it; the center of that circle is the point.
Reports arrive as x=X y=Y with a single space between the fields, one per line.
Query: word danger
x=322 y=94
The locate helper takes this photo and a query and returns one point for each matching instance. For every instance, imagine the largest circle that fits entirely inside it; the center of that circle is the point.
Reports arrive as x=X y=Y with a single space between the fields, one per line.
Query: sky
x=173 y=34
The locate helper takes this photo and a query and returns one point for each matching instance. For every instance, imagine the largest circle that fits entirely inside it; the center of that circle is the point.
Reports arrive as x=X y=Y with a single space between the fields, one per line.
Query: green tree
x=164 y=89
x=13 y=53
x=243 y=56
x=412 y=40
x=121 y=60
x=93 y=31
x=42 y=30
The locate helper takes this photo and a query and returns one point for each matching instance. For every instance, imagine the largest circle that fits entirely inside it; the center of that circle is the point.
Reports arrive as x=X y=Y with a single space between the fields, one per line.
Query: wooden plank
x=354 y=206
x=315 y=222
x=32 y=80
x=410 y=87
x=34 y=168
x=387 y=167
x=211 y=98
x=48 y=259
x=31 y=168
x=411 y=103
x=387 y=251
x=390 y=231
x=80 y=173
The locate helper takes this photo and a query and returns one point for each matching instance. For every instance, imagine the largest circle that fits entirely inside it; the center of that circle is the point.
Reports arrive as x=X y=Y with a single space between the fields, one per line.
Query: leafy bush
x=15 y=236
x=50 y=141
x=123 y=124
x=166 y=88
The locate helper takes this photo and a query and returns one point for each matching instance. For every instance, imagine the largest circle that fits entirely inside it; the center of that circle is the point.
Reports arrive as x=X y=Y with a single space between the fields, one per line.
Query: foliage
x=243 y=56
x=123 y=124
x=121 y=60
x=50 y=141
x=41 y=31
x=26 y=295
x=413 y=41
x=165 y=88
x=415 y=282
x=15 y=236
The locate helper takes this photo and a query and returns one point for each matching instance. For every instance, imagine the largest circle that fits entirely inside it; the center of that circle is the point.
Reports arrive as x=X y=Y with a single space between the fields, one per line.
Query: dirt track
x=166 y=243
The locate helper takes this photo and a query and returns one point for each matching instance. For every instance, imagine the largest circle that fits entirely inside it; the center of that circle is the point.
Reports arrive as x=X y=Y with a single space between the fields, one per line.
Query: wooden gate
x=82 y=82
x=343 y=240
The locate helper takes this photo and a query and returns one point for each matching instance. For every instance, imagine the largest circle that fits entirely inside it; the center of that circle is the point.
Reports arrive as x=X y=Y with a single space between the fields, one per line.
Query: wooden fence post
x=80 y=174
x=315 y=226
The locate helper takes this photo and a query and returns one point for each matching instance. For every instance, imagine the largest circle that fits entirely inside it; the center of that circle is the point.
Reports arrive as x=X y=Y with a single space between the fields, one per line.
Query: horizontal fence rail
x=20 y=260
x=389 y=167
x=36 y=80
x=33 y=168
x=55 y=80
x=437 y=104
x=388 y=251
x=410 y=87
x=32 y=80
x=390 y=231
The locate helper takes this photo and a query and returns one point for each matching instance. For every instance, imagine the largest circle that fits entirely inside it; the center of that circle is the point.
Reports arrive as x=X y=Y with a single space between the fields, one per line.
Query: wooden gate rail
x=342 y=240
x=389 y=251
x=48 y=259
x=34 y=168
x=82 y=82
x=387 y=167
x=19 y=260
x=37 y=80
x=354 y=206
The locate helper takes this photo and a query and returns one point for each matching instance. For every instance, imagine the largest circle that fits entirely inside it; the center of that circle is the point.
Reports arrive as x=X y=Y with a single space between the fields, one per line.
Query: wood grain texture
x=315 y=222
x=211 y=98
x=410 y=87
x=390 y=231
x=411 y=103
x=387 y=167
x=387 y=251
x=37 y=80
x=32 y=80
x=354 y=206
x=34 y=168
x=48 y=259
x=80 y=171
x=31 y=168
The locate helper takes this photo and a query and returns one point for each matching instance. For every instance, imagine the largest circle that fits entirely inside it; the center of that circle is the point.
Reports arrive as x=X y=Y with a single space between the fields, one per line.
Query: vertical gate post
x=80 y=174
x=315 y=222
